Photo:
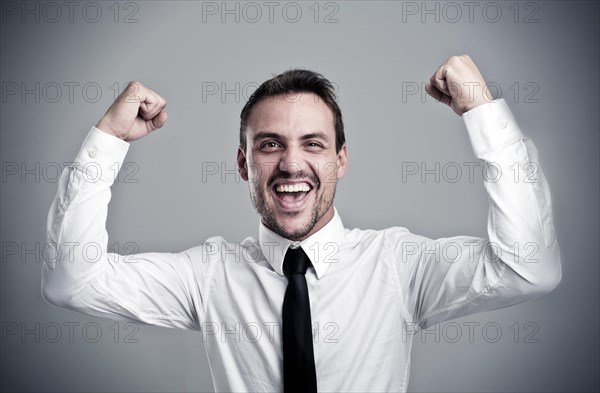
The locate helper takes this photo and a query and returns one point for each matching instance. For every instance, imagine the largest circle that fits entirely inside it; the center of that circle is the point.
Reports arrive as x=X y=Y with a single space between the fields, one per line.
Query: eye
x=269 y=145
x=314 y=145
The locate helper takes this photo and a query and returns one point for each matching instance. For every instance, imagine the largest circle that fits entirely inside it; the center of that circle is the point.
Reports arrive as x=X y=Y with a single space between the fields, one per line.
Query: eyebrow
x=266 y=135
x=318 y=135
x=274 y=135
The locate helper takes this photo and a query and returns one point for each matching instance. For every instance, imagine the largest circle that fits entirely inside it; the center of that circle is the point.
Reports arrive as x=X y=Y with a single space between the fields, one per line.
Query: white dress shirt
x=370 y=290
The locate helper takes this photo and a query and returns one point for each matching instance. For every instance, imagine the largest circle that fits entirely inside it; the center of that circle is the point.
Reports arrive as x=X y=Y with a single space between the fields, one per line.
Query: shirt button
x=93 y=153
x=501 y=124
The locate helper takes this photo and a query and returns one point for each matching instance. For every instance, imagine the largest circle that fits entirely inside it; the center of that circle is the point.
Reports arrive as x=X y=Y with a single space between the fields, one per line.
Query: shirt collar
x=321 y=247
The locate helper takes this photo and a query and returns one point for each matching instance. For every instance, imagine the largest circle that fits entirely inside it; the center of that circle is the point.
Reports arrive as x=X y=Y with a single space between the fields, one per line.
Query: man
x=309 y=305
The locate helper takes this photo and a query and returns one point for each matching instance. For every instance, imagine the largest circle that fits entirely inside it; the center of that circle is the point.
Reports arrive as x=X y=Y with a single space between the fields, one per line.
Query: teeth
x=293 y=187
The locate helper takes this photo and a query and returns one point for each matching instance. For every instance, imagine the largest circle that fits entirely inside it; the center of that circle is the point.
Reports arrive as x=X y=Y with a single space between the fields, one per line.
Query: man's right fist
x=135 y=113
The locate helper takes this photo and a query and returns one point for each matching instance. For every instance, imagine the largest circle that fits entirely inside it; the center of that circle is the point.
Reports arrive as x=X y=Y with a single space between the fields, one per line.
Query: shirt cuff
x=101 y=155
x=491 y=126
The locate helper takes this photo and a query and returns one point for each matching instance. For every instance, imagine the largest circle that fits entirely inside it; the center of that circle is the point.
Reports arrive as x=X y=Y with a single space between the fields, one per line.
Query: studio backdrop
x=410 y=165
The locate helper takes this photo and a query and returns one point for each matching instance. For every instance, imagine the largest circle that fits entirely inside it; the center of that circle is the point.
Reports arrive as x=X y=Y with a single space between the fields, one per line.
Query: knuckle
x=454 y=60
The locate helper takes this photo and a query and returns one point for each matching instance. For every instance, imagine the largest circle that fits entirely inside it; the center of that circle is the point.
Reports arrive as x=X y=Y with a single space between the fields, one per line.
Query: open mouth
x=291 y=196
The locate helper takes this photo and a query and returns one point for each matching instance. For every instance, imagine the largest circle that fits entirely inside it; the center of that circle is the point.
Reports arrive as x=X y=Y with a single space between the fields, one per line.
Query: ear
x=242 y=164
x=342 y=162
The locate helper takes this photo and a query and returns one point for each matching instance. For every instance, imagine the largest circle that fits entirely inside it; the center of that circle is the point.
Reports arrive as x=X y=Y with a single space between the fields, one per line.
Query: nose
x=291 y=160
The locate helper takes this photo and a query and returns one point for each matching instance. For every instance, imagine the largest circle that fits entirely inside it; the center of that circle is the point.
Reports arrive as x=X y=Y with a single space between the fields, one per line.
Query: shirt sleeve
x=80 y=274
x=453 y=277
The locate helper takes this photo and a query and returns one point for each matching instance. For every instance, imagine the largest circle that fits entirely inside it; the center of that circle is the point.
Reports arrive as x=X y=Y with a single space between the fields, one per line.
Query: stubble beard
x=267 y=213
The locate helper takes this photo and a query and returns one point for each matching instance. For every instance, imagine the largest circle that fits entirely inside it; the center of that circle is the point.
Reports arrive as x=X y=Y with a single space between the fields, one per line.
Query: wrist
x=105 y=127
x=484 y=98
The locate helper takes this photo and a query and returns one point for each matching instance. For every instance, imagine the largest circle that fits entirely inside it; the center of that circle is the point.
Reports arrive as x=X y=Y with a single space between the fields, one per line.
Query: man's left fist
x=459 y=84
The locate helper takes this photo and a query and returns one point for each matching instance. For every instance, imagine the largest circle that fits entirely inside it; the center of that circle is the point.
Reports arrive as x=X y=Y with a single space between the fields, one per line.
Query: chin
x=294 y=227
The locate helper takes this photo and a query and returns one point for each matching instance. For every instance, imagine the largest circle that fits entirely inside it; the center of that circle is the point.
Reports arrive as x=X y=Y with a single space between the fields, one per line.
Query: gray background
x=547 y=70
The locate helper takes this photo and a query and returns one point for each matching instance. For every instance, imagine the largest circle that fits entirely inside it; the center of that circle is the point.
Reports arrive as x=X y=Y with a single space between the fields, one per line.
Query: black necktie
x=299 y=373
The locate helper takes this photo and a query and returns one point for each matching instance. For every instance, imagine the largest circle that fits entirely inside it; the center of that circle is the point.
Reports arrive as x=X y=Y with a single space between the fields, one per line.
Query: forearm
x=520 y=226
x=76 y=226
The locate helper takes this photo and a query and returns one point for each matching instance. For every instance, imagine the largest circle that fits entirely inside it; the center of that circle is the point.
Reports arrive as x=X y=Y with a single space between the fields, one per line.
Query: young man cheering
x=321 y=307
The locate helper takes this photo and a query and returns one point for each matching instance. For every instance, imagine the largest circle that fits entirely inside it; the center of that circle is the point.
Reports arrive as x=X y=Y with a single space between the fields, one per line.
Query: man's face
x=291 y=163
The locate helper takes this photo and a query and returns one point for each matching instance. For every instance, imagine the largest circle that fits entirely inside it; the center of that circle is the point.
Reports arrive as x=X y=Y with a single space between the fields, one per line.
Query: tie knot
x=295 y=262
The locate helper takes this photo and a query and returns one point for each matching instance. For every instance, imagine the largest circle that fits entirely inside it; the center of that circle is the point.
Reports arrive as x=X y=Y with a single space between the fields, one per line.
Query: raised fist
x=459 y=84
x=135 y=113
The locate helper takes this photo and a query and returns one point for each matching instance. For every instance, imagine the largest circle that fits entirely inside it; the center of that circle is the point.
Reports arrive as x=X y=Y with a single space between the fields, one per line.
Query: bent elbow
x=55 y=296
x=50 y=296
x=552 y=282
x=547 y=281
x=55 y=290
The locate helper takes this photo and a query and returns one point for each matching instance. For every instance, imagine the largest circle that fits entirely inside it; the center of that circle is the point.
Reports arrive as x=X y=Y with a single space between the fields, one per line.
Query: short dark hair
x=296 y=81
